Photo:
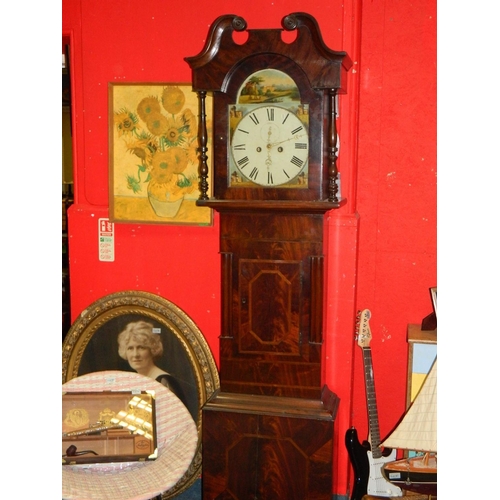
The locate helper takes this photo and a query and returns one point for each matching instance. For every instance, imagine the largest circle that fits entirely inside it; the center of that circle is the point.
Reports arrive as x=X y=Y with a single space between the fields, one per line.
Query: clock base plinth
x=268 y=447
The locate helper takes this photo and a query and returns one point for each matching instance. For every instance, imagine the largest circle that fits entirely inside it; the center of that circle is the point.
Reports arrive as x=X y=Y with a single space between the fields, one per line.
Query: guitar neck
x=371 y=403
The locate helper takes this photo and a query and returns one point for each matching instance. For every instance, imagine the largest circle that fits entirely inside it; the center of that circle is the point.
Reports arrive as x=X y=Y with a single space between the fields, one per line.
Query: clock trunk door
x=269 y=345
x=269 y=296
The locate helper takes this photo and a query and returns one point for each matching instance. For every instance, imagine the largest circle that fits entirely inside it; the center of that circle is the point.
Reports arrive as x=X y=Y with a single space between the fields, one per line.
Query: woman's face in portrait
x=138 y=356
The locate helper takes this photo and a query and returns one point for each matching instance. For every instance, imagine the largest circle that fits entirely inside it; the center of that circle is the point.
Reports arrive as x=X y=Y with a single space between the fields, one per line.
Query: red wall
x=396 y=188
x=380 y=249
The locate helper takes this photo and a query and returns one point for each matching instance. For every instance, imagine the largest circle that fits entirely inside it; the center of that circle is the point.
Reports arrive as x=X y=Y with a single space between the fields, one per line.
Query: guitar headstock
x=363 y=332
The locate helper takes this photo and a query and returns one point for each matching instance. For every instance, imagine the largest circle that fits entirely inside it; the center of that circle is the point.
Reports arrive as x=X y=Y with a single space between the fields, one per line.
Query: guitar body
x=368 y=459
x=377 y=483
x=358 y=454
x=368 y=477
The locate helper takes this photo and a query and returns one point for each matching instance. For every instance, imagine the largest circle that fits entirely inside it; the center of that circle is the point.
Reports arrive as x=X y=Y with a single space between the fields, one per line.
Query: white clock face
x=270 y=146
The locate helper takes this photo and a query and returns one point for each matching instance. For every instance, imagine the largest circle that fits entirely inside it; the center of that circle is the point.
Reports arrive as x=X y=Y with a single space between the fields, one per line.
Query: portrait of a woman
x=140 y=347
x=155 y=349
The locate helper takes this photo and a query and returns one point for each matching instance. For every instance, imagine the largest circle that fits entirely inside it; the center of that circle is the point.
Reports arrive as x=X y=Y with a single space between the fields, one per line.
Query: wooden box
x=102 y=427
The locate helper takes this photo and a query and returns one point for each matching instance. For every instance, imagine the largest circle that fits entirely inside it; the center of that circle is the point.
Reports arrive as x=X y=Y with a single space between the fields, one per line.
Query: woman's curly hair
x=142 y=332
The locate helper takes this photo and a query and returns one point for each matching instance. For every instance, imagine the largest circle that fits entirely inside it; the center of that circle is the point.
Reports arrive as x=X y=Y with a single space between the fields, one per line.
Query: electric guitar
x=367 y=458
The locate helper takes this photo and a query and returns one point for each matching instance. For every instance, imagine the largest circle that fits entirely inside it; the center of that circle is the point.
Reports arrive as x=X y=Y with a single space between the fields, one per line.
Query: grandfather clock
x=268 y=432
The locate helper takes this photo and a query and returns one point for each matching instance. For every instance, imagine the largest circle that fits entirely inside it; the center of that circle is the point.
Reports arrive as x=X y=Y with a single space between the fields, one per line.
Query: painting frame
x=434 y=292
x=93 y=339
x=153 y=153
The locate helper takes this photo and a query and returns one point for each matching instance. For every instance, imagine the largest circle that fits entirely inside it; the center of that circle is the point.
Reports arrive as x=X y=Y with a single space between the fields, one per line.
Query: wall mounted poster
x=153 y=142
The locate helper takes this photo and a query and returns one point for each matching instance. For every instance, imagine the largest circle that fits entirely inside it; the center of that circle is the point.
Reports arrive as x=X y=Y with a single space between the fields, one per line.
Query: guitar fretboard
x=371 y=403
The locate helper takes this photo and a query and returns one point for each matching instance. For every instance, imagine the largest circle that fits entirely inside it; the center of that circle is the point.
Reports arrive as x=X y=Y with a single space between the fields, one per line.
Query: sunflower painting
x=153 y=154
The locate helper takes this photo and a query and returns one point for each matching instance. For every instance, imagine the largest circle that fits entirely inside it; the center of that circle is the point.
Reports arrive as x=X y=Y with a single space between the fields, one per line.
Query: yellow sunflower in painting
x=175 y=134
x=167 y=181
x=162 y=167
x=161 y=135
x=142 y=148
x=147 y=107
x=166 y=163
x=126 y=122
x=173 y=99
x=157 y=124
x=190 y=123
x=192 y=152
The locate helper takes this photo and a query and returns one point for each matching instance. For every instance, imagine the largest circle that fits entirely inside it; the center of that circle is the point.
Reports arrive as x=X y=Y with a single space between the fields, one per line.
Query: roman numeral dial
x=270 y=147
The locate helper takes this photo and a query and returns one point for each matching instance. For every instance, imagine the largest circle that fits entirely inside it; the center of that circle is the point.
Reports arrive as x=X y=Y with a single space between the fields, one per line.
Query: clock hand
x=269 y=162
x=297 y=136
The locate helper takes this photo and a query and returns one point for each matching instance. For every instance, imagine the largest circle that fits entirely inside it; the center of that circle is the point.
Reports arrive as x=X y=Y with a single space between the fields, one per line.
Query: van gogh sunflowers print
x=153 y=154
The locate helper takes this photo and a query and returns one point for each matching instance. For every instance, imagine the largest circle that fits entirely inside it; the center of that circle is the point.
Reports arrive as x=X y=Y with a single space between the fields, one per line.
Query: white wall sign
x=106 y=240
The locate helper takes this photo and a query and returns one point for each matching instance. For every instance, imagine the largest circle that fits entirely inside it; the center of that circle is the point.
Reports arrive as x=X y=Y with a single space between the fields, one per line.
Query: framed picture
x=153 y=153
x=109 y=333
x=434 y=298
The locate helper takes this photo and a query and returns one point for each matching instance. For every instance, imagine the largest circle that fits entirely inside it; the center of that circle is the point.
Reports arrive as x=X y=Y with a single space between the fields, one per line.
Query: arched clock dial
x=270 y=146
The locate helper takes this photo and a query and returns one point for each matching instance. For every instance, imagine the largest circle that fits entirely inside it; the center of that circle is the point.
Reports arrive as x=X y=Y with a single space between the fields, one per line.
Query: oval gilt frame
x=91 y=345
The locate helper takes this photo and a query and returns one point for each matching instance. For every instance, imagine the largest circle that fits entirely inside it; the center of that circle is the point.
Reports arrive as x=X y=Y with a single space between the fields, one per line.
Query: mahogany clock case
x=283 y=445
x=271 y=417
x=272 y=293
